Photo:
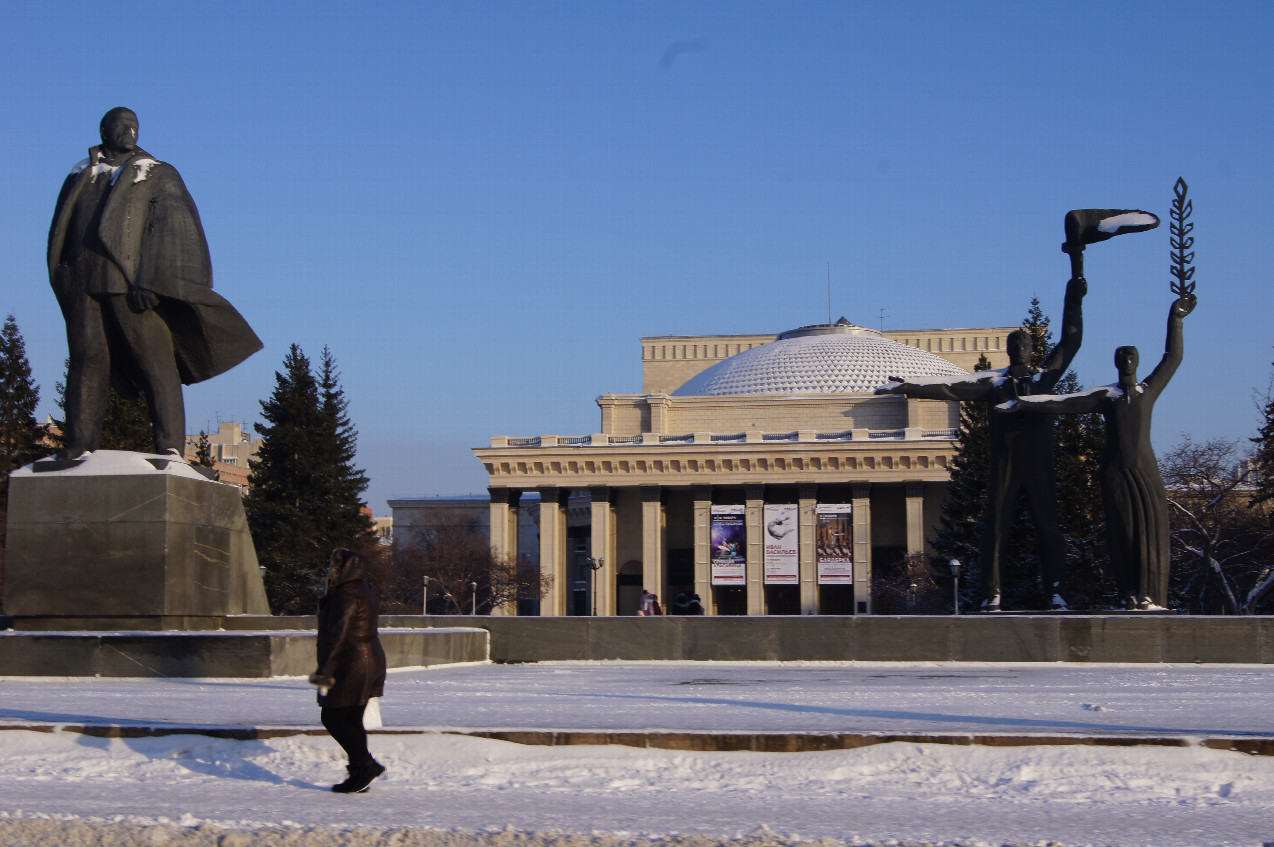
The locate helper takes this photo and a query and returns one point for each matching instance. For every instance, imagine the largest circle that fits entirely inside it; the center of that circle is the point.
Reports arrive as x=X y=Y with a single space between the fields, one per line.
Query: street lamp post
x=955 y=576
x=594 y=565
x=424 y=599
x=473 y=608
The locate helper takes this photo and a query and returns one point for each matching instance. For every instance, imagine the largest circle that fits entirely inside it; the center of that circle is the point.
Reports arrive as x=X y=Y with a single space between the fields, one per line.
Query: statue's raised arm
x=1174 y=345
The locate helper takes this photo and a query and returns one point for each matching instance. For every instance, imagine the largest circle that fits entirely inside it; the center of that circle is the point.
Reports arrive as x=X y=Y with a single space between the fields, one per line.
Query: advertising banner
x=729 y=546
x=781 y=562
x=834 y=543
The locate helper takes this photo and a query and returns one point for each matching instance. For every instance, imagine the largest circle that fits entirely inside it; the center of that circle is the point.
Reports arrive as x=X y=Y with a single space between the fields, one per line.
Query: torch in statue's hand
x=1088 y=226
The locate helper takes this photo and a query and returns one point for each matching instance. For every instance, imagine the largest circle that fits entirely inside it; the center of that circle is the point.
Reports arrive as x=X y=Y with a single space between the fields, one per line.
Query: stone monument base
x=127 y=535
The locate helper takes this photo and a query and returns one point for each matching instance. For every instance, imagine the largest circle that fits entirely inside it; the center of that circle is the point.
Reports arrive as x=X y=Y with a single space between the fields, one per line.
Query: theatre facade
x=759 y=472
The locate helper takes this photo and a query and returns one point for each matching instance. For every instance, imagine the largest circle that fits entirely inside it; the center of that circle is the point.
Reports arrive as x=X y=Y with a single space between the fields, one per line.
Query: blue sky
x=481 y=207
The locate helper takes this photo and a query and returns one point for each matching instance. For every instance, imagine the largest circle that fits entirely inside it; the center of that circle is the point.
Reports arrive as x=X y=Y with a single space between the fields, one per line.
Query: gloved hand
x=324 y=683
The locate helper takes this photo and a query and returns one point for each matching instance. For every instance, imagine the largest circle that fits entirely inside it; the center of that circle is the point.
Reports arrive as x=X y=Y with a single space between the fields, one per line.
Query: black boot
x=360 y=777
x=343 y=787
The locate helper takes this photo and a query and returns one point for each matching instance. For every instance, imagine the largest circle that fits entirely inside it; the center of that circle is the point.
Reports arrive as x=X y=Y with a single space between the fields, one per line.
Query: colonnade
x=638 y=525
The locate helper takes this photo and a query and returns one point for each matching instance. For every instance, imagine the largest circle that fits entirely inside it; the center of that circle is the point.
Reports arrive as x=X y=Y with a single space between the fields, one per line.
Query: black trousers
x=345 y=724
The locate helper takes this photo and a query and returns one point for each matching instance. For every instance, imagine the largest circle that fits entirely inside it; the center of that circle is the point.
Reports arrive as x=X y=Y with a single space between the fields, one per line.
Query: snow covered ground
x=67 y=787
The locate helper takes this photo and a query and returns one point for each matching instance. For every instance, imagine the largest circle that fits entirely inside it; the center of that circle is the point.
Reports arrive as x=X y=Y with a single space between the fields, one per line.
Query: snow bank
x=69 y=789
x=47 y=832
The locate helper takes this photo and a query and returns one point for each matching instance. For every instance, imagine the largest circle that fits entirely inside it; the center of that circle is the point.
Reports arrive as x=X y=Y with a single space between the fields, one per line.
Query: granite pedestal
x=120 y=535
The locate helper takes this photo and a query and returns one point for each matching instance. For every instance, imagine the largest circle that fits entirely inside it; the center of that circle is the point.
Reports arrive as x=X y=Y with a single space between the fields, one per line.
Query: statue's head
x=119 y=130
x=1019 y=347
x=1126 y=361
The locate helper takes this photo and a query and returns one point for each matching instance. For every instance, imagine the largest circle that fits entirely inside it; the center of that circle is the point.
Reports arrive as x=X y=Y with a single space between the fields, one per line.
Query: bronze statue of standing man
x=130 y=266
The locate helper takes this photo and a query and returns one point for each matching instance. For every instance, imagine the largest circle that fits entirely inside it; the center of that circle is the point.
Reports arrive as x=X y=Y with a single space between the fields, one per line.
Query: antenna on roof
x=829 y=292
x=882 y=320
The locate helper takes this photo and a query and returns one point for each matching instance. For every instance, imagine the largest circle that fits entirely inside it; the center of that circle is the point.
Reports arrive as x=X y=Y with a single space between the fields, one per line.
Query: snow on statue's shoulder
x=143 y=168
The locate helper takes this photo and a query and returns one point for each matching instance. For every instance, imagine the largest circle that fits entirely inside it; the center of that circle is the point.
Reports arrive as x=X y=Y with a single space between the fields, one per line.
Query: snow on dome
x=838 y=358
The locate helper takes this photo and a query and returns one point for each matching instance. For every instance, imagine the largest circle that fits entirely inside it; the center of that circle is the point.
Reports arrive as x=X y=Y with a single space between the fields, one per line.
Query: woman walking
x=351 y=664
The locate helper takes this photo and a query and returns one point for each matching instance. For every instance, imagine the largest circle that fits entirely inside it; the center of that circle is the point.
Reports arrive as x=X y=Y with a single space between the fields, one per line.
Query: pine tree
x=203 y=451
x=345 y=483
x=1078 y=444
x=1262 y=477
x=963 y=511
x=304 y=496
x=21 y=436
x=128 y=425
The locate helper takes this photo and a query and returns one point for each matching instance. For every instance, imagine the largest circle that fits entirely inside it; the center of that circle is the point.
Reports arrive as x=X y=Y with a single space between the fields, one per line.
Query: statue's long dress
x=1136 y=504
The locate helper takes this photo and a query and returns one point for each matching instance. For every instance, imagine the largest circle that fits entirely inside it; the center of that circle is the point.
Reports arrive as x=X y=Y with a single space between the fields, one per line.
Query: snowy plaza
x=1159 y=774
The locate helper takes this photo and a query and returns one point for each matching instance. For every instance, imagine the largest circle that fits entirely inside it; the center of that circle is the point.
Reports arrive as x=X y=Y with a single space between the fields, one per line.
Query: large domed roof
x=838 y=358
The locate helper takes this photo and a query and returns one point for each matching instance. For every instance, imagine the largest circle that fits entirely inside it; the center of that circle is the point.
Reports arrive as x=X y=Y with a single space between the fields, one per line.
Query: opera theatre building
x=759 y=472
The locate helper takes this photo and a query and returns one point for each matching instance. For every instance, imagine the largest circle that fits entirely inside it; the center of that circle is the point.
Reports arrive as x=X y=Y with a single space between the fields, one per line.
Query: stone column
x=703 y=545
x=652 y=541
x=862 y=547
x=603 y=545
x=553 y=549
x=915 y=517
x=754 y=503
x=504 y=521
x=807 y=552
x=504 y=533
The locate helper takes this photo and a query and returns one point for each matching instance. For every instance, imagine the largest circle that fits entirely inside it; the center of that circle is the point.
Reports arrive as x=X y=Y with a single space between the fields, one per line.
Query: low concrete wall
x=245 y=654
x=972 y=638
x=263 y=647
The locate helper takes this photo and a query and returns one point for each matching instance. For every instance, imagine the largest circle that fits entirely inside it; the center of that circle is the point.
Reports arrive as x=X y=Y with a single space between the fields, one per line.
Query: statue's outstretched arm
x=973 y=386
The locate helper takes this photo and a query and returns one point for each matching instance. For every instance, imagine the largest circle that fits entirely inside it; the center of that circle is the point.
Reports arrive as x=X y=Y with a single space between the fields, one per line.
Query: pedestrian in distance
x=649 y=604
x=351 y=664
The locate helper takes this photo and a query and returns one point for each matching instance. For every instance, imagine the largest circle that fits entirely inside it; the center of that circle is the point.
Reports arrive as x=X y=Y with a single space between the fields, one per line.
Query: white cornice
x=782 y=462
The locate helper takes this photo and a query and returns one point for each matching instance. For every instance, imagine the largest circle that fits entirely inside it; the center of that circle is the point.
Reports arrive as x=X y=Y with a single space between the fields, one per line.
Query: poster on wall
x=781 y=566
x=729 y=546
x=834 y=543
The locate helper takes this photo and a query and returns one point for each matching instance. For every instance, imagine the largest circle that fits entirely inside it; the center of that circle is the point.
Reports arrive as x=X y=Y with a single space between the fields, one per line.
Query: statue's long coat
x=150 y=229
